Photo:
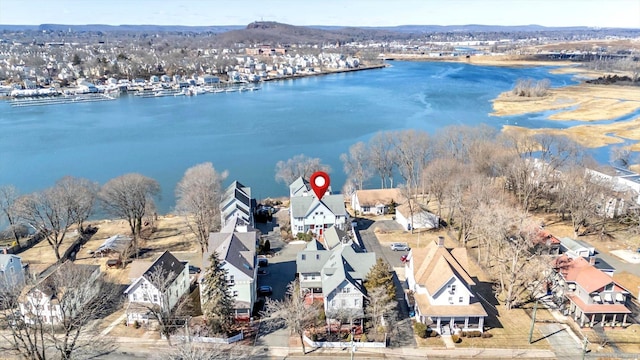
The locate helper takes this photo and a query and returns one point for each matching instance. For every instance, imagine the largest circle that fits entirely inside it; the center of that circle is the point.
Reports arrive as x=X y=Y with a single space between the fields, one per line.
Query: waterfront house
x=43 y=301
x=309 y=214
x=237 y=204
x=375 y=201
x=335 y=276
x=591 y=295
x=441 y=291
x=301 y=187
x=237 y=252
x=163 y=283
x=11 y=272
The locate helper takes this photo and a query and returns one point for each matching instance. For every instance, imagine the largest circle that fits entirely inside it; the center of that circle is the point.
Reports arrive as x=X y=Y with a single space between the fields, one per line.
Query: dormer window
x=609 y=287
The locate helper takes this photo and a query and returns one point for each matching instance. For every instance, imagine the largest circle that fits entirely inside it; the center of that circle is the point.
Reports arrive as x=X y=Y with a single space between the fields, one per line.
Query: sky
x=595 y=13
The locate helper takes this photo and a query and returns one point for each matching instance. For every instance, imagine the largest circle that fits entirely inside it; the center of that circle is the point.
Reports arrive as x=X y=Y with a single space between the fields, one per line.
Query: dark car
x=265 y=290
x=194 y=269
x=262 y=262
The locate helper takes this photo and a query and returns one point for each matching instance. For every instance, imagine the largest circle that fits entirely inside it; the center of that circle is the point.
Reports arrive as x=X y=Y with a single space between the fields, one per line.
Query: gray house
x=11 y=273
x=336 y=276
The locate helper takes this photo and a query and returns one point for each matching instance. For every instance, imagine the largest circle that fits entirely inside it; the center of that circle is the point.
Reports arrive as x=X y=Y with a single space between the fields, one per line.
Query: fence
x=210 y=340
x=343 y=344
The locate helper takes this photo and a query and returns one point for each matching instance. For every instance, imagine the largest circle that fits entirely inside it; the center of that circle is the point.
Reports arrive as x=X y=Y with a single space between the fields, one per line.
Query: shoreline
x=324 y=73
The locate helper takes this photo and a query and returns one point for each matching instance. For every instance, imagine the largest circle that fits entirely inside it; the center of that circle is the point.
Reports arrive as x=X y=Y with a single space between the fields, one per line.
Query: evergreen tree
x=217 y=302
x=381 y=275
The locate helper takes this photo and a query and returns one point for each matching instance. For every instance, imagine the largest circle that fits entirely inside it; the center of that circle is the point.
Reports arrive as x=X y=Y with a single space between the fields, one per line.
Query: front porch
x=454 y=325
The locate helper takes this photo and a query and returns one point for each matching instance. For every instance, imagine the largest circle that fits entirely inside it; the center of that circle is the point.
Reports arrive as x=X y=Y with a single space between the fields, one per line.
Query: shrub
x=314 y=337
x=136 y=325
x=420 y=329
x=455 y=338
x=463 y=334
x=486 y=335
x=363 y=338
x=474 y=333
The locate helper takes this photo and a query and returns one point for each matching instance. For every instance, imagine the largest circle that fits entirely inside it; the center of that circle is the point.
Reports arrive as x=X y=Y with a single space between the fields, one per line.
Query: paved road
x=404 y=333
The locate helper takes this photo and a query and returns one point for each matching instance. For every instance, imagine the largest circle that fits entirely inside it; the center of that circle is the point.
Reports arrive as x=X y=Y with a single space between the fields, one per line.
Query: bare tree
x=128 y=196
x=54 y=210
x=193 y=351
x=437 y=176
x=356 y=164
x=579 y=194
x=621 y=155
x=8 y=197
x=198 y=197
x=381 y=151
x=298 y=166
x=412 y=152
x=292 y=311
x=82 y=295
x=169 y=316
x=378 y=307
x=81 y=196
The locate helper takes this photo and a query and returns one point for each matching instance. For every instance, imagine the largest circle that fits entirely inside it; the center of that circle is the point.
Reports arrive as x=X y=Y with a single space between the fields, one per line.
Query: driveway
x=404 y=333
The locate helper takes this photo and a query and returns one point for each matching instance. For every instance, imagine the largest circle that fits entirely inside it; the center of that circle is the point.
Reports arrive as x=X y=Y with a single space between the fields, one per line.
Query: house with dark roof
x=43 y=299
x=336 y=276
x=590 y=295
x=237 y=252
x=163 y=283
x=441 y=291
x=237 y=204
x=302 y=187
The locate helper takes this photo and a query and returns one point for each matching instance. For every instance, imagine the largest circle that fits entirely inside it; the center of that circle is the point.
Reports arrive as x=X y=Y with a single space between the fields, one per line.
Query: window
x=453 y=289
x=300 y=228
x=346 y=289
x=333 y=303
x=313 y=277
x=134 y=297
x=609 y=287
x=303 y=257
x=155 y=298
x=356 y=302
x=450 y=299
x=305 y=277
x=312 y=226
x=460 y=299
x=317 y=256
x=235 y=293
x=145 y=297
x=231 y=280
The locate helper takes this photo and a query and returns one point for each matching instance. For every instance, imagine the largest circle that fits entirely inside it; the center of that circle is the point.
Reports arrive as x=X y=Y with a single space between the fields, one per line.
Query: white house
x=301 y=187
x=375 y=201
x=308 y=214
x=11 y=272
x=43 y=300
x=576 y=248
x=420 y=219
x=237 y=203
x=237 y=252
x=441 y=290
x=336 y=276
x=162 y=283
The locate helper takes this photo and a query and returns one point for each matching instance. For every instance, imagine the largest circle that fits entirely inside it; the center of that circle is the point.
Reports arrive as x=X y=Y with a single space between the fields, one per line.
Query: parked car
x=194 y=269
x=398 y=246
x=403 y=258
x=262 y=262
x=265 y=290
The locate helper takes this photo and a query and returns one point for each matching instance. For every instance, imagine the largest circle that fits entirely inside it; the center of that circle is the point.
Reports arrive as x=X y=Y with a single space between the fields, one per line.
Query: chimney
x=592 y=260
x=440 y=241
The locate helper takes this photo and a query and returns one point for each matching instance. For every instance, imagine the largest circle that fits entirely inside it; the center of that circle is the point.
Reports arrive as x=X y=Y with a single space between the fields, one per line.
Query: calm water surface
x=247 y=133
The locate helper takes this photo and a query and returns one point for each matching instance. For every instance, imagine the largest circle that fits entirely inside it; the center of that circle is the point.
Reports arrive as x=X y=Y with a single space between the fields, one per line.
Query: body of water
x=248 y=133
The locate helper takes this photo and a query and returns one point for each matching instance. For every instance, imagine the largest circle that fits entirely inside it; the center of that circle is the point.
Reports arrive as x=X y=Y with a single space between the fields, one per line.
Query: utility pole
x=533 y=321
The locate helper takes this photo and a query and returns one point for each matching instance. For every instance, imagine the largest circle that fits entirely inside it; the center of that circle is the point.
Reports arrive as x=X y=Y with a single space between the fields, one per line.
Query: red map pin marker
x=320 y=183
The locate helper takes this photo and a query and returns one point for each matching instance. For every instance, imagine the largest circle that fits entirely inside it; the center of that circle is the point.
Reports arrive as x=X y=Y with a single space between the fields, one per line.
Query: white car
x=397 y=246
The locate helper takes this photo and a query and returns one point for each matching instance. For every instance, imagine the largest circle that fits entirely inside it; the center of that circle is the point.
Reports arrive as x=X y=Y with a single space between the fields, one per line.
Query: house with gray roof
x=308 y=214
x=576 y=248
x=237 y=252
x=237 y=204
x=164 y=282
x=301 y=187
x=336 y=276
